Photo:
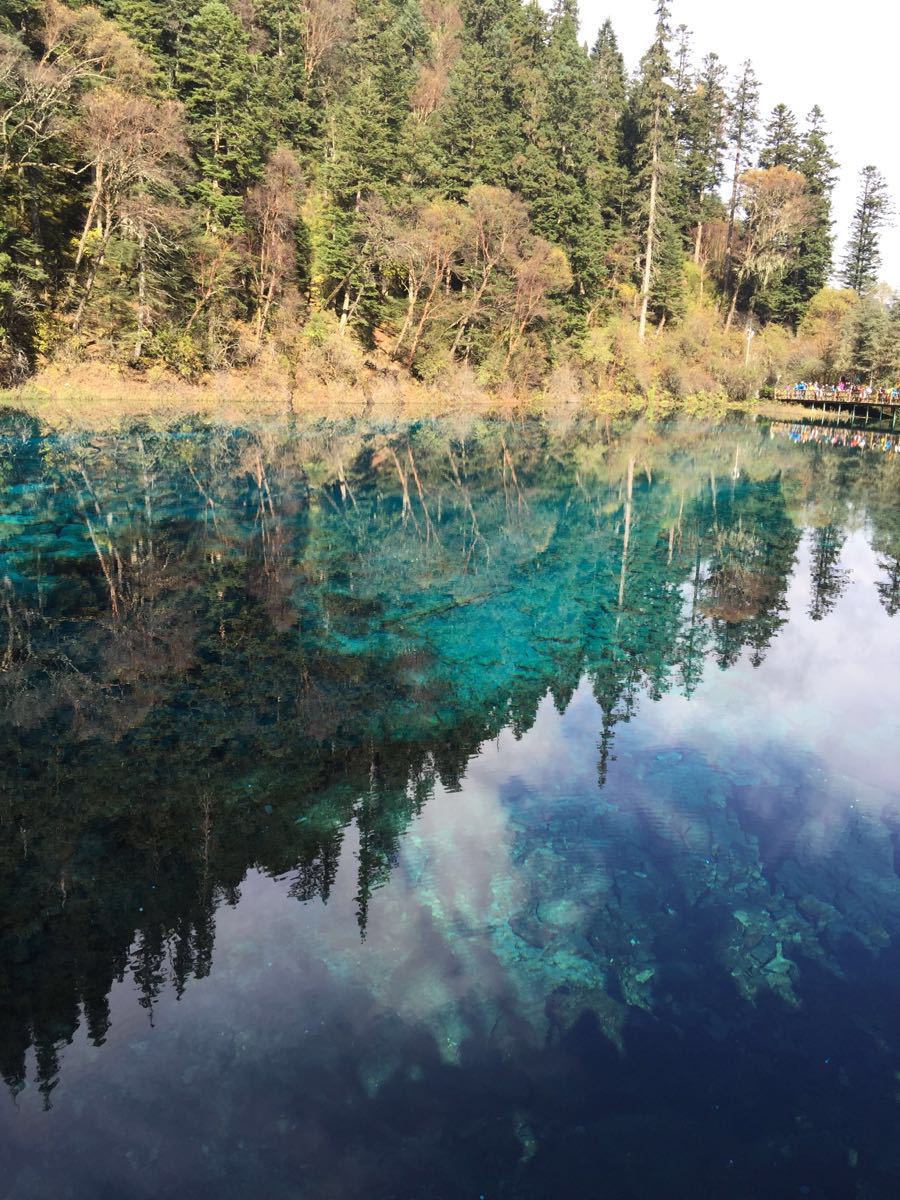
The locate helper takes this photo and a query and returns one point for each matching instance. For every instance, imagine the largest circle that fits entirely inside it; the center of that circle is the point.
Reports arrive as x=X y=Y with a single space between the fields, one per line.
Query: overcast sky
x=844 y=57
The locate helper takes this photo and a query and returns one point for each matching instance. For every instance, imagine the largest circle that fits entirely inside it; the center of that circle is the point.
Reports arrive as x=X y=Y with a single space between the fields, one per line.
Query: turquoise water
x=473 y=811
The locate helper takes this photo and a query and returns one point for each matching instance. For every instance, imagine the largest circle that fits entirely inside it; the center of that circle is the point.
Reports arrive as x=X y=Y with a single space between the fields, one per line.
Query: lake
x=476 y=810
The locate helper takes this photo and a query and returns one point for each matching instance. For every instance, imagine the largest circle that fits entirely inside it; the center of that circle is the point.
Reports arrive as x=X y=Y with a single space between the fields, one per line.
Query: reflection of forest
x=218 y=650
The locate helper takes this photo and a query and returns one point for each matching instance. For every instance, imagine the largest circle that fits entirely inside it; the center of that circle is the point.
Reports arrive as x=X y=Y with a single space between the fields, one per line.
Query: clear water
x=535 y=834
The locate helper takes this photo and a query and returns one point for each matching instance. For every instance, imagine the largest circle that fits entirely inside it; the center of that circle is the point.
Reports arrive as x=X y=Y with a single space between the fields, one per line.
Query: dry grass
x=99 y=396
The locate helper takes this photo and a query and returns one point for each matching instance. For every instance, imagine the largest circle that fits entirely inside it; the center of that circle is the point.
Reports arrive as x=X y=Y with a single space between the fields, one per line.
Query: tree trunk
x=91 y=214
x=473 y=308
x=345 y=310
x=142 y=313
x=731 y=311
x=698 y=244
x=411 y=295
x=426 y=311
x=732 y=210
x=651 y=224
x=89 y=285
x=626 y=540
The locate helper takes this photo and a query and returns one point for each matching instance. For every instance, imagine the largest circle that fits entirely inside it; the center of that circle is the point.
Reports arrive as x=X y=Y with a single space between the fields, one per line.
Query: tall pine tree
x=482 y=135
x=810 y=266
x=217 y=79
x=702 y=166
x=369 y=149
x=781 y=142
x=654 y=176
x=862 y=260
x=743 y=122
x=608 y=126
x=559 y=175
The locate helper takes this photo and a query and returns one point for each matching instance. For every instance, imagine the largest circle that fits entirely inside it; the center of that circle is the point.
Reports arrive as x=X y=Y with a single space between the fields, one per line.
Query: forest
x=436 y=193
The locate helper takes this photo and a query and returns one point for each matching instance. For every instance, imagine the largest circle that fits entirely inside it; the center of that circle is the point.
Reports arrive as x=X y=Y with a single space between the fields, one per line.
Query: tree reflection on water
x=223 y=651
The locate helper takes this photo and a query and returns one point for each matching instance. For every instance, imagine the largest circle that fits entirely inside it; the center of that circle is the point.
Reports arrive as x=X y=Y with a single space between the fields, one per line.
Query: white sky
x=843 y=57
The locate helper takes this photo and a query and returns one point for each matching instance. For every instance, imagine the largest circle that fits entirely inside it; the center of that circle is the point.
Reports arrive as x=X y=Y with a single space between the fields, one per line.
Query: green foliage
x=559 y=177
x=873 y=208
x=137 y=134
x=656 y=212
x=481 y=130
x=217 y=80
x=703 y=141
x=811 y=266
x=782 y=146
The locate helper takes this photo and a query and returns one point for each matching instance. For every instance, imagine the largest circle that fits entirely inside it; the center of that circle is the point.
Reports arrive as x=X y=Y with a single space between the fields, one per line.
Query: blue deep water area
x=455 y=811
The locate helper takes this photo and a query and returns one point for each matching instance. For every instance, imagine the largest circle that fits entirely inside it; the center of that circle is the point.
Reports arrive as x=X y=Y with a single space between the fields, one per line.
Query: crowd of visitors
x=862 y=392
x=857 y=439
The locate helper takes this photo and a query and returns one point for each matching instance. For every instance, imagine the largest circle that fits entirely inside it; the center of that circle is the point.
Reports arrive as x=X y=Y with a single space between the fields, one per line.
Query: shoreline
x=103 y=397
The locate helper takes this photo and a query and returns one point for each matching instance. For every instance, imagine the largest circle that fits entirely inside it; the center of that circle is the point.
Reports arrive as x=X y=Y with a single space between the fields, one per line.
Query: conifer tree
x=654 y=166
x=281 y=26
x=610 y=90
x=155 y=25
x=217 y=81
x=865 y=339
x=481 y=135
x=369 y=150
x=609 y=72
x=703 y=146
x=369 y=124
x=682 y=72
x=782 y=144
x=558 y=177
x=828 y=580
x=862 y=260
x=810 y=267
x=743 y=119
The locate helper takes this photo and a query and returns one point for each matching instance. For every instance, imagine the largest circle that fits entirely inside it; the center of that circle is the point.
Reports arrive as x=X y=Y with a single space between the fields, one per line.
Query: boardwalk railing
x=847 y=405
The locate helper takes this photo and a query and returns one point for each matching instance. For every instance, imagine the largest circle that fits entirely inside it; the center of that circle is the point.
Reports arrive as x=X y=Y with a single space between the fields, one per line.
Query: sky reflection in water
x=585 y=934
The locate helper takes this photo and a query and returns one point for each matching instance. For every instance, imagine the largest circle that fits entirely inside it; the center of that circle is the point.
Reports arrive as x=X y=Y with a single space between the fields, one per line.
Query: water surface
x=448 y=812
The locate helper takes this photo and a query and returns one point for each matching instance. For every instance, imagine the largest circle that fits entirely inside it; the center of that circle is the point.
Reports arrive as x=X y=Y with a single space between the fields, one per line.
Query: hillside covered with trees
x=432 y=186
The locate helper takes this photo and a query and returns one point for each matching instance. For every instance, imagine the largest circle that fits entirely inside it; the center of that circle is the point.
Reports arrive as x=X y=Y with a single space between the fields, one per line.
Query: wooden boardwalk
x=843 y=405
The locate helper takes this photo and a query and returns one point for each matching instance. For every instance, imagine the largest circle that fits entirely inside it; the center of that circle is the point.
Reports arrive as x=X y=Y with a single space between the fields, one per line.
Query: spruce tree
x=654 y=174
x=610 y=91
x=828 y=579
x=682 y=73
x=217 y=80
x=155 y=25
x=782 y=145
x=743 y=119
x=369 y=147
x=558 y=176
x=482 y=135
x=811 y=266
x=611 y=80
x=702 y=165
x=370 y=123
x=862 y=260
x=295 y=109
x=865 y=339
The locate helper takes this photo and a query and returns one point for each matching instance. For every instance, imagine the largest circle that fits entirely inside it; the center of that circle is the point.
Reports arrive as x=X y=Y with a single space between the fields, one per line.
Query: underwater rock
x=567 y=1004
x=526 y=1138
x=778 y=964
x=527 y=927
x=560 y=913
